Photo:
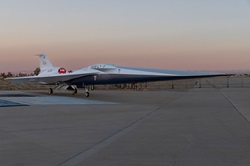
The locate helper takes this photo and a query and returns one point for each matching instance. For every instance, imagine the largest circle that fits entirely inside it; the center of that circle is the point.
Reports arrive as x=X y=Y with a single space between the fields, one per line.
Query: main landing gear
x=70 y=88
x=74 y=89
x=51 y=91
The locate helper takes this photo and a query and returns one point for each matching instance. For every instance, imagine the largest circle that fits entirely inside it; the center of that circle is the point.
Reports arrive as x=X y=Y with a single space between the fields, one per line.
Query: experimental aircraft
x=102 y=74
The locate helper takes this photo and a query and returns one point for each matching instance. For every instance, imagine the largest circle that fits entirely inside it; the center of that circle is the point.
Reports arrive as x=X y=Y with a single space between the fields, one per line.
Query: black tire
x=75 y=92
x=87 y=94
x=50 y=91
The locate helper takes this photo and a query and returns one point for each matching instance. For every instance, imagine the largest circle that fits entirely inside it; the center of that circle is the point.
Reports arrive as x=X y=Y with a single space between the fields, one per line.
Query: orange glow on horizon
x=152 y=34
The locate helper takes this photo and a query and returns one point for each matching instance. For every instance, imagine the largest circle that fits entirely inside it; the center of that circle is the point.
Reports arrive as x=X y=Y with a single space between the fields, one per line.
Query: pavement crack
x=182 y=151
x=234 y=106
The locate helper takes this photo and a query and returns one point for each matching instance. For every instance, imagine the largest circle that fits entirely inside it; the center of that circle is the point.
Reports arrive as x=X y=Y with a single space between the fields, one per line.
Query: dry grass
x=6 y=85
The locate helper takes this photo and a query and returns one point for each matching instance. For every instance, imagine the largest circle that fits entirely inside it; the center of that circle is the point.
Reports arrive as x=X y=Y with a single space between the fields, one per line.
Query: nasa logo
x=62 y=71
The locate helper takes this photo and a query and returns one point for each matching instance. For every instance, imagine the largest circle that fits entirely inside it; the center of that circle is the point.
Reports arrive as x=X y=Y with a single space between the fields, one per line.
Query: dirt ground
x=6 y=85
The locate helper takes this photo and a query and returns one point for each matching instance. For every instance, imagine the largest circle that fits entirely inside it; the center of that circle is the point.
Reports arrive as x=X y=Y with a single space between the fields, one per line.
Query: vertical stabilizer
x=44 y=62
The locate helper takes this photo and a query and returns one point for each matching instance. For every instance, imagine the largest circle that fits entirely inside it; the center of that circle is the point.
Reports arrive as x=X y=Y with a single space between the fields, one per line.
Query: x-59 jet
x=103 y=74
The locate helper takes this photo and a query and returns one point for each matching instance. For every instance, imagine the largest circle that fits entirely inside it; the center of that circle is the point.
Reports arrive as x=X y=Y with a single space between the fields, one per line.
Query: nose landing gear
x=87 y=94
x=86 y=91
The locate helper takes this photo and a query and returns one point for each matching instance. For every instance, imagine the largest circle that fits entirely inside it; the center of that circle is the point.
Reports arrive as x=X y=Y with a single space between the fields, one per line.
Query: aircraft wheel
x=75 y=92
x=50 y=91
x=87 y=94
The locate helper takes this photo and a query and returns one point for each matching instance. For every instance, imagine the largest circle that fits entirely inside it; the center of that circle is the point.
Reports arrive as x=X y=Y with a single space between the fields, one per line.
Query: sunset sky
x=169 y=34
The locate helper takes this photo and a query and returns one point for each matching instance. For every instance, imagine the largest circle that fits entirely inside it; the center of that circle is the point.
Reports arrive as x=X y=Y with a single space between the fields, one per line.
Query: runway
x=201 y=126
x=13 y=98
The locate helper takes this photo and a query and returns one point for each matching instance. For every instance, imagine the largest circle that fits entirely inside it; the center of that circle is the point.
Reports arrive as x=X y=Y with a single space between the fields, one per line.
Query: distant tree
x=21 y=75
x=9 y=74
x=37 y=71
x=3 y=75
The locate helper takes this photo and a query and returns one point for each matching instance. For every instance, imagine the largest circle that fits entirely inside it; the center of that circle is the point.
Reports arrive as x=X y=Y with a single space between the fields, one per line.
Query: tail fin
x=44 y=62
x=46 y=67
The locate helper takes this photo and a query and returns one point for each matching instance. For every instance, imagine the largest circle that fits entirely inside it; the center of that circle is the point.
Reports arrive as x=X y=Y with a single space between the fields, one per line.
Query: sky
x=168 y=34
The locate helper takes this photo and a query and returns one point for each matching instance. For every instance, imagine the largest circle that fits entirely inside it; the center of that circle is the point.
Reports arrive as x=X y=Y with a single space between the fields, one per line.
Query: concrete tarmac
x=202 y=126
